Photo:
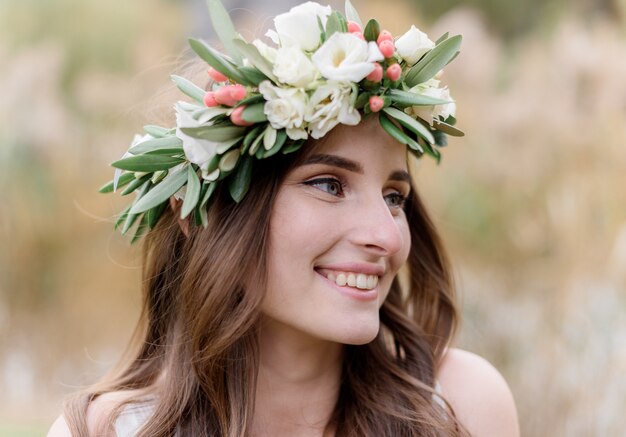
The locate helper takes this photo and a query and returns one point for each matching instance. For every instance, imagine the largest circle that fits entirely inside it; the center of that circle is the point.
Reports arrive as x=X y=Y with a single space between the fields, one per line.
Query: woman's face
x=338 y=235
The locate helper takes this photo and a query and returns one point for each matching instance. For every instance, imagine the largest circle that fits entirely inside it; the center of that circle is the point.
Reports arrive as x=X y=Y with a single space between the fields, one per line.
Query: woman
x=316 y=300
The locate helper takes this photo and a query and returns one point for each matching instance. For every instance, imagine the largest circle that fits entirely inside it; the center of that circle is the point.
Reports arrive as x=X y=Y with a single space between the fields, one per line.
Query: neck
x=298 y=382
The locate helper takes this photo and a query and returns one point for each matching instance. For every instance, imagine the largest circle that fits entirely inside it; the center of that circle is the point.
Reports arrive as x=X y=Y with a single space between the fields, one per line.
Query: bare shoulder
x=479 y=395
x=97 y=413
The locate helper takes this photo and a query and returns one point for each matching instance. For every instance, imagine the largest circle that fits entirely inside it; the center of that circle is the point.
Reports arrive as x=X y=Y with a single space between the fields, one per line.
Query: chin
x=359 y=333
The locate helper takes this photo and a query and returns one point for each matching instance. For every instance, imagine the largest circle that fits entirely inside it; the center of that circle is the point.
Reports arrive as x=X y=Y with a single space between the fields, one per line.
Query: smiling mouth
x=359 y=281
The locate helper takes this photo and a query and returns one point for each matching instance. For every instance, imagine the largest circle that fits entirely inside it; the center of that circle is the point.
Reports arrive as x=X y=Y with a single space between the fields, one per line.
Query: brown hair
x=195 y=348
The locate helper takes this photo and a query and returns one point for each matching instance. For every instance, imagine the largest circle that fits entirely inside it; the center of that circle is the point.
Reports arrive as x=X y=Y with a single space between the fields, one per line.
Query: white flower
x=266 y=51
x=344 y=57
x=285 y=108
x=329 y=106
x=293 y=67
x=429 y=113
x=299 y=26
x=198 y=151
x=412 y=45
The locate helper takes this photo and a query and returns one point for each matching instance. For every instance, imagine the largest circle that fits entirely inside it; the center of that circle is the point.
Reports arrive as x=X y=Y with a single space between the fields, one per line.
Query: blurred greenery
x=531 y=203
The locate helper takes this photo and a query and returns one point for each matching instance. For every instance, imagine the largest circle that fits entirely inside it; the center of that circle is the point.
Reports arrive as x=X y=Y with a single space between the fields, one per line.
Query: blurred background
x=531 y=203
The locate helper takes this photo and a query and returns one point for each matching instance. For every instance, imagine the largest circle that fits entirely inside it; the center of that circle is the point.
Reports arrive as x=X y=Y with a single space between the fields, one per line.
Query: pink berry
x=216 y=75
x=237 y=119
x=386 y=48
x=230 y=95
x=394 y=72
x=209 y=99
x=376 y=103
x=377 y=74
x=385 y=35
x=353 y=27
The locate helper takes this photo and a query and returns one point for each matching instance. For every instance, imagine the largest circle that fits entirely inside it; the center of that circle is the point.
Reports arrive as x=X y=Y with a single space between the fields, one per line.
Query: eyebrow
x=353 y=166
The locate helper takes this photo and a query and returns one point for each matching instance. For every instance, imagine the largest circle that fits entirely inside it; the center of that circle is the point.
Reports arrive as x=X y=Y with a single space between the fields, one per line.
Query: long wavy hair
x=195 y=352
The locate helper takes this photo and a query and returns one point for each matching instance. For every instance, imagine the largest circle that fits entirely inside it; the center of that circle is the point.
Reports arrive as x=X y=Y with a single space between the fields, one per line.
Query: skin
x=318 y=222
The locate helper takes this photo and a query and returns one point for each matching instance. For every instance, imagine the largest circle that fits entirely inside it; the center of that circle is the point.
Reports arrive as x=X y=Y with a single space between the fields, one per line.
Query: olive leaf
x=407 y=98
x=224 y=28
x=256 y=58
x=217 y=61
x=352 y=14
x=410 y=123
x=165 y=145
x=434 y=61
x=156 y=131
x=192 y=193
x=254 y=113
x=335 y=23
x=147 y=163
x=138 y=182
x=240 y=181
x=189 y=88
x=216 y=133
x=124 y=179
x=397 y=133
x=161 y=192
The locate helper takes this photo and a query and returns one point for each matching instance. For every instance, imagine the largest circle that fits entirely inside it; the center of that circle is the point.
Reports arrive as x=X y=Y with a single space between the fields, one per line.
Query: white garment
x=135 y=415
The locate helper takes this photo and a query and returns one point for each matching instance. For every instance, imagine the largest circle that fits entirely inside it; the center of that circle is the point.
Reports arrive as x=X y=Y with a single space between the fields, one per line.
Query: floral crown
x=325 y=68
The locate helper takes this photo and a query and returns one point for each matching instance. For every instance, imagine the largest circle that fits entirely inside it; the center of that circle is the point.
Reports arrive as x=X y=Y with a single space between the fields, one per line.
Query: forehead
x=366 y=142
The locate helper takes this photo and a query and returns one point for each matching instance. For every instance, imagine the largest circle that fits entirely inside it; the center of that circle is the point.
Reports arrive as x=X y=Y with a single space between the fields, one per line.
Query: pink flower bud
x=386 y=48
x=353 y=27
x=209 y=99
x=385 y=35
x=216 y=75
x=229 y=95
x=237 y=119
x=394 y=72
x=359 y=35
x=377 y=74
x=376 y=103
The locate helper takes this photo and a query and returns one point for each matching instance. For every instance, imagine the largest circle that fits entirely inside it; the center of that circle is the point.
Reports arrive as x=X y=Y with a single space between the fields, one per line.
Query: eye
x=395 y=200
x=332 y=186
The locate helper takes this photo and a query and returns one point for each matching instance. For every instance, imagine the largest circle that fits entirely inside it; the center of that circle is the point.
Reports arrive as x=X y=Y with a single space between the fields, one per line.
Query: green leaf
x=147 y=163
x=208 y=191
x=430 y=150
x=410 y=123
x=224 y=28
x=123 y=180
x=442 y=38
x=189 y=88
x=254 y=113
x=448 y=129
x=407 y=98
x=250 y=137
x=122 y=217
x=166 y=145
x=433 y=61
x=192 y=193
x=335 y=23
x=441 y=139
x=372 y=30
x=352 y=14
x=240 y=181
x=161 y=192
x=256 y=58
x=254 y=75
x=154 y=214
x=138 y=182
x=362 y=100
x=217 y=133
x=141 y=229
x=256 y=143
x=397 y=133
x=229 y=160
x=132 y=217
x=217 y=61
x=293 y=147
x=281 y=137
x=223 y=147
x=156 y=131
x=251 y=100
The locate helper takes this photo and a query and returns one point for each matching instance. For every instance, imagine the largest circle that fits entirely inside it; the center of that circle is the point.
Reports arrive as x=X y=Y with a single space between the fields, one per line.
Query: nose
x=376 y=229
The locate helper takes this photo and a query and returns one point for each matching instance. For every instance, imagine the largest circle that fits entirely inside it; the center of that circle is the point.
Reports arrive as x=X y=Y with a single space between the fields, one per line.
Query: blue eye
x=332 y=186
x=395 y=200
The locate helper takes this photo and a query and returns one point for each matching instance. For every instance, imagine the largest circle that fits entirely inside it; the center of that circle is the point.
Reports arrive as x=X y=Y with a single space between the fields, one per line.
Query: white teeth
x=361 y=281
x=341 y=279
x=351 y=279
x=358 y=280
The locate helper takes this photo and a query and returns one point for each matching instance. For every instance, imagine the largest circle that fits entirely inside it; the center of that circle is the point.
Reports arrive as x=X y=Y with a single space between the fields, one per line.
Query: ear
x=176 y=205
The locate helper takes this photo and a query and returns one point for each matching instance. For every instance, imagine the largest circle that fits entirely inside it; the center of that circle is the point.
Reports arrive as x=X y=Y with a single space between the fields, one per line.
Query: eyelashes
x=336 y=188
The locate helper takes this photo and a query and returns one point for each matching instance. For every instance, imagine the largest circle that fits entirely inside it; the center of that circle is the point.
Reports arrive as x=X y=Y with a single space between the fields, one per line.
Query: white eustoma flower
x=197 y=151
x=413 y=45
x=429 y=113
x=330 y=105
x=345 y=57
x=293 y=67
x=266 y=51
x=299 y=26
x=285 y=108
